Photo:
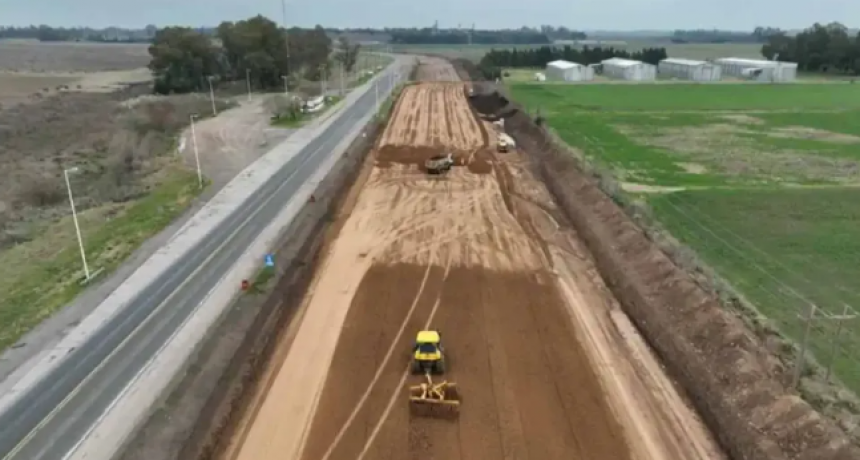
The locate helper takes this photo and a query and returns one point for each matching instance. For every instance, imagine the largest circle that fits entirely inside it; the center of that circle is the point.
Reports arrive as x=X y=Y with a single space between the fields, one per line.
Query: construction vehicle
x=428 y=355
x=505 y=143
x=439 y=164
x=430 y=399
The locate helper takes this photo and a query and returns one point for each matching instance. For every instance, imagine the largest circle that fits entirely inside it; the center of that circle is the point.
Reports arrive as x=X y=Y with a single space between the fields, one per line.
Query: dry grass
x=129 y=185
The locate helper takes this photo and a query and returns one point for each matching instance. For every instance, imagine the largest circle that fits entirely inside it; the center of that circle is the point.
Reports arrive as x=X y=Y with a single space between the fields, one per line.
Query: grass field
x=762 y=181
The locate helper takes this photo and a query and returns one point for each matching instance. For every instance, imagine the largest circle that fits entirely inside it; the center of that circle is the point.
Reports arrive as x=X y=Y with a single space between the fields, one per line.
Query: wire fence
x=819 y=317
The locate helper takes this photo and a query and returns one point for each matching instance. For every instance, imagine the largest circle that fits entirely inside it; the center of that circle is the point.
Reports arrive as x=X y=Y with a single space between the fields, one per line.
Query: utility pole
x=323 y=79
x=342 y=85
x=248 y=79
x=196 y=152
x=75 y=218
x=807 y=330
x=212 y=95
x=847 y=314
x=286 y=34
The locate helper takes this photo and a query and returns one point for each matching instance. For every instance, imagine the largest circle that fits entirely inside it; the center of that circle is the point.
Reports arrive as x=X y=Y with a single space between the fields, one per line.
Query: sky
x=486 y=14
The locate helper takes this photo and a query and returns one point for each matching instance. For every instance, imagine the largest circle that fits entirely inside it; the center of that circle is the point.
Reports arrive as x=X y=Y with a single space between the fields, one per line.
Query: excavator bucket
x=437 y=400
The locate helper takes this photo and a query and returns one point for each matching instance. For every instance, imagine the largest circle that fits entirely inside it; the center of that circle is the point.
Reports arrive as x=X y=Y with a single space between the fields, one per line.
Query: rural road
x=57 y=412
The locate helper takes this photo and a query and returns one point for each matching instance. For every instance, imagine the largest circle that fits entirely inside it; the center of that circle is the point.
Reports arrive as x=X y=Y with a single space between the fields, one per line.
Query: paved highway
x=56 y=413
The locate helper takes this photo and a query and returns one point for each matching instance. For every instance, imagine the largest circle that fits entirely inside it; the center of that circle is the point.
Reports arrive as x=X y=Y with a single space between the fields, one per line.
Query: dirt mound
x=726 y=371
x=478 y=161
x=388 y=154
x=489 y=103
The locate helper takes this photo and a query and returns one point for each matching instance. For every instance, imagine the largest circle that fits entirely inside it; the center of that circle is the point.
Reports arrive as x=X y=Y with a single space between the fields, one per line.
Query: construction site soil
x=547 y=365
x=547 y=361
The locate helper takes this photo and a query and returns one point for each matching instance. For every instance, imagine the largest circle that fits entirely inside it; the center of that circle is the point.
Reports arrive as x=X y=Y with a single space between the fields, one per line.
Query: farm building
x=687 y=69
x=627 y=69
x=568 y=71
x=759 y=70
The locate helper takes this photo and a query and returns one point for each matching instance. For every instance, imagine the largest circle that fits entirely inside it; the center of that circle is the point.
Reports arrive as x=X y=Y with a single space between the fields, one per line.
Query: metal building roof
x=755 y=62
x=561 y=64
x=621 y=62
x=689 y=62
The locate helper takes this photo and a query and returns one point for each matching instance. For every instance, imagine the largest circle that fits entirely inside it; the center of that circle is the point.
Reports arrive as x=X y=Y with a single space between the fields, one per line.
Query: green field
x=762 y=181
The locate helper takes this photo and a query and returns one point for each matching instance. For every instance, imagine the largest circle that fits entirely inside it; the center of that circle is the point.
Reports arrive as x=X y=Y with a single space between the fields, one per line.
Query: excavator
x=428 y=398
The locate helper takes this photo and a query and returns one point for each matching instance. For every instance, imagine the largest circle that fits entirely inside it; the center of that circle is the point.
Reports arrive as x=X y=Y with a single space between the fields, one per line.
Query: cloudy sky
x=577 y=14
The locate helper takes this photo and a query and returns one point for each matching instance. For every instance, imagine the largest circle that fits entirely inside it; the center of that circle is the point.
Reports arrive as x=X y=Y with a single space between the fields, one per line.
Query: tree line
x=538 y=57
x=821 y=48
x=429 y=36
x=716 y=36
x=184 y=59
x=62 y=34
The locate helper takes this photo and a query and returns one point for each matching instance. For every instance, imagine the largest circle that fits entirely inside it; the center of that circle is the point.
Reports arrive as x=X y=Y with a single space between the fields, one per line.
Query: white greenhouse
x=568 y=71
x=688 y=69
x=627 y=69
x=759 y=70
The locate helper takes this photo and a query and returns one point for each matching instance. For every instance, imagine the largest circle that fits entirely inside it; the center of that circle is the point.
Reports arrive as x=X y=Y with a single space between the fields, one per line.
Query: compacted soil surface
x=547 y=364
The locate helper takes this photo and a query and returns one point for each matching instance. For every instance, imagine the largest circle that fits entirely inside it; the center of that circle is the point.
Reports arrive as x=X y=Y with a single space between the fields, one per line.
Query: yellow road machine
x=429 y=399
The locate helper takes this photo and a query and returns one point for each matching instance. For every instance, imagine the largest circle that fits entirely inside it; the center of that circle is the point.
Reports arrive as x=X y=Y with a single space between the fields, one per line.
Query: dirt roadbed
x=546 y=363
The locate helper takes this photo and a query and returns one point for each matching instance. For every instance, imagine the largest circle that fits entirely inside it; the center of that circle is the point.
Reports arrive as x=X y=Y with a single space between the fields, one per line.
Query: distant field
x=691 y=51
x=30 y=70
x=762 y=181
x=24 y=56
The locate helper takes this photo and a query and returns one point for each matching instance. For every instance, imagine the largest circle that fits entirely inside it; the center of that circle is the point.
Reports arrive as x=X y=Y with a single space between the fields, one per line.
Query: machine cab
x=428 y=346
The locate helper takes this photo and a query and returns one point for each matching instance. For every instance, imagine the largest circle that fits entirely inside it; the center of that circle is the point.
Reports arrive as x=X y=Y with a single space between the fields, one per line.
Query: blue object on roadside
x=270 y=260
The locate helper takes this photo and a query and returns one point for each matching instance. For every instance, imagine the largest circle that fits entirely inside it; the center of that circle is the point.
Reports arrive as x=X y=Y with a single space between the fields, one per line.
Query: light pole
x=196 y=152
x=248 y=79
x=286 y=38
x=342 y=85
x=286 y=89
x=212 y=95
x=75 y=218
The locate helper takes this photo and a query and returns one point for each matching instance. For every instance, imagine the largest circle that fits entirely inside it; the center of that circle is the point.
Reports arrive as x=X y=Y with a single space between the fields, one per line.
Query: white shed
x=627 y=69
x=759 y=69
x=568 y=71
x=688 y=69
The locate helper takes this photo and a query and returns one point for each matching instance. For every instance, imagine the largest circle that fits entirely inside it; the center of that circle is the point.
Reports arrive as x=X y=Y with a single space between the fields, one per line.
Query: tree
x=256 y=44
x=182 y=59
x=820 y=48
x=347 y=53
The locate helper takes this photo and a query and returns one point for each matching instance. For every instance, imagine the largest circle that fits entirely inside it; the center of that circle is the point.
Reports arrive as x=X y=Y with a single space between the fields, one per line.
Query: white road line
x=396 y=392
x=381 y=367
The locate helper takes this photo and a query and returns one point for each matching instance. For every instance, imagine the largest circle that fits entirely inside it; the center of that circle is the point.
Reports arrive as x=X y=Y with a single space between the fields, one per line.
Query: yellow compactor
x=429 y=399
